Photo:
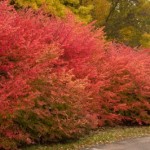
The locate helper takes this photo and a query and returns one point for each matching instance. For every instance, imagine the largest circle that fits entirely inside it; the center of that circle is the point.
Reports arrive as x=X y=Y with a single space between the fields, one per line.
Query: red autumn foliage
x=38 y=102
x=122 y=86
x=60 y=77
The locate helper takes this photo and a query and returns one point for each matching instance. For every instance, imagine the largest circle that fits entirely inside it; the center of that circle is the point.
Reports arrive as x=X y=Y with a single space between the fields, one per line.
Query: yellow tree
x=100 y=11
x=58 y=7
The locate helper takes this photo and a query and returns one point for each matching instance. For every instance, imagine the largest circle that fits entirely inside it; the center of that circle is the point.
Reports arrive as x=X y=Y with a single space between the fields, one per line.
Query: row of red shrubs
x=60 y=78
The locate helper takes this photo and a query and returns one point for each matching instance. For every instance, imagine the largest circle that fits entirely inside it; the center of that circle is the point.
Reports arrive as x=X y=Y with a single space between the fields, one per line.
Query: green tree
x=125 y=21
x=128 y=21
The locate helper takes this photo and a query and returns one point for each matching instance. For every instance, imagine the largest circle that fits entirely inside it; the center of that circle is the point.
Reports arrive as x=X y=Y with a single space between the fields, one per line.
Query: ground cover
x=103 y=136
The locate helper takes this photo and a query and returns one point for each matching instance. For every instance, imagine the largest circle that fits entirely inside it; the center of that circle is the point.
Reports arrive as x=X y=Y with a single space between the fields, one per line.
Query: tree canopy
x=128 y=21
x=125 y=21
x=58 y=7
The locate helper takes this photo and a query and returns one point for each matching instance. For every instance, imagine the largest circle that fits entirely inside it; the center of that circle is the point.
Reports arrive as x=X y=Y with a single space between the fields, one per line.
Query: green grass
x=103 y=136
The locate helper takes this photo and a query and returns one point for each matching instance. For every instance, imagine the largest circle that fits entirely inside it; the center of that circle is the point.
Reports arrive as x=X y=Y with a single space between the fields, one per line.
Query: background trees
x=125 y=21
x=128 y=21
x=58 y=7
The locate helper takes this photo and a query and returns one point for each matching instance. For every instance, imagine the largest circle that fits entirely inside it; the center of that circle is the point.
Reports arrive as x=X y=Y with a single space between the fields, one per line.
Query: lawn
x=103 y=136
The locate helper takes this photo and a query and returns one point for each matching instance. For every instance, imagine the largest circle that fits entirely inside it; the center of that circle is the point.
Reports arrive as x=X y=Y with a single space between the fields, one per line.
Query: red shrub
x=59 y=77
x=39 y=100
x=122 y=86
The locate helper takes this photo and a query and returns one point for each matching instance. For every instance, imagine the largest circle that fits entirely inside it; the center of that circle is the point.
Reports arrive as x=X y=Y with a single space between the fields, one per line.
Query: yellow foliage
x=59 y=7
x=145 y=40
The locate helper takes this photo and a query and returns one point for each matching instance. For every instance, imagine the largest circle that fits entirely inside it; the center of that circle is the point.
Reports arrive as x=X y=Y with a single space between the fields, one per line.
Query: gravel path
x=131 y=144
